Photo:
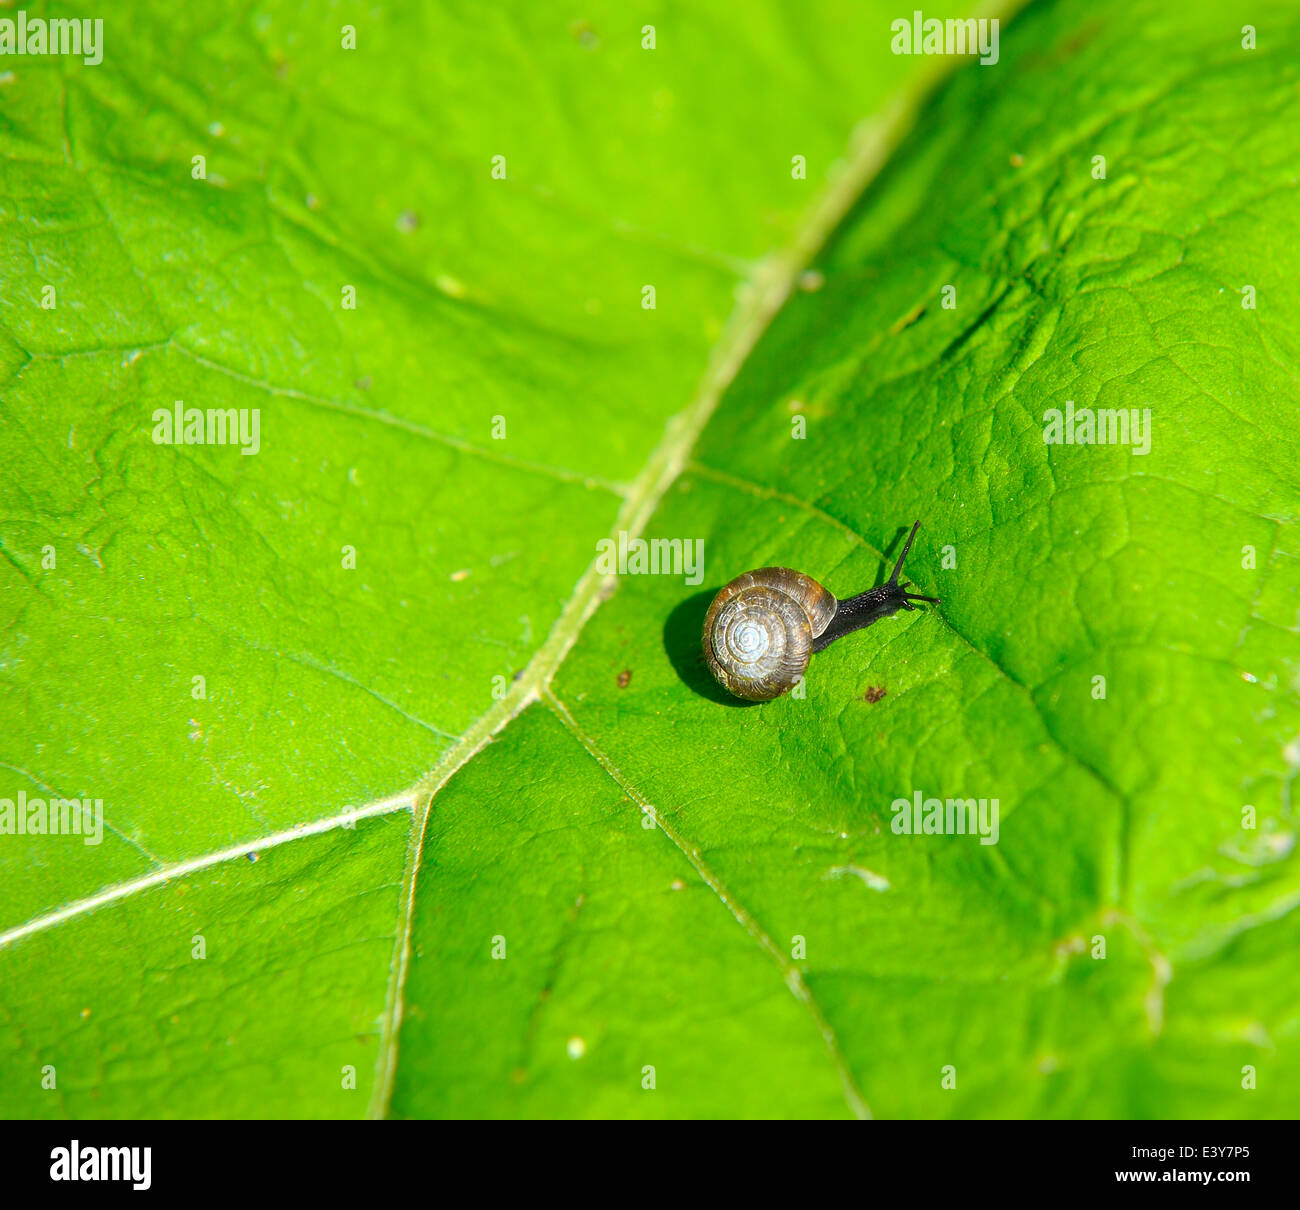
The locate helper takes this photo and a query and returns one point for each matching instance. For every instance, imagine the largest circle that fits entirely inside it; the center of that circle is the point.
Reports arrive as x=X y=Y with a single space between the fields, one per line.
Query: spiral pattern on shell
x=759 y=631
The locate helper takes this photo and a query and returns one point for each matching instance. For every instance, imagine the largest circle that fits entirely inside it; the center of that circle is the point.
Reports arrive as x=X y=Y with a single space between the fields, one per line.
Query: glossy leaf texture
x=465 y=829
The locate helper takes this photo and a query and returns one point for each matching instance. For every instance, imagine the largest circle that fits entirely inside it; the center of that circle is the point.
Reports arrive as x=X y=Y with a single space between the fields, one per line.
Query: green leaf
x=768 y=946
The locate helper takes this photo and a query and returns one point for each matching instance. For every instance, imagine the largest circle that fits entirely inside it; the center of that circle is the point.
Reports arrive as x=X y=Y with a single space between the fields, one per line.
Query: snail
x=763 y=627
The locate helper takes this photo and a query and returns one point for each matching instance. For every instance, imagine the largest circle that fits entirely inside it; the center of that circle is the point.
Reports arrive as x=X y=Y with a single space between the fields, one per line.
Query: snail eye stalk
x=856 y=613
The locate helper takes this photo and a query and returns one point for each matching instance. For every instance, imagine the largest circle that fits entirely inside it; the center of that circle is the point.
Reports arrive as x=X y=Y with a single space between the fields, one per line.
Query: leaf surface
x=770 y=947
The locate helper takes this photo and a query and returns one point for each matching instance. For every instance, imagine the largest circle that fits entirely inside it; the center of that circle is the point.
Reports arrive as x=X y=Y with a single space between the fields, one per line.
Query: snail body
x=765 y=625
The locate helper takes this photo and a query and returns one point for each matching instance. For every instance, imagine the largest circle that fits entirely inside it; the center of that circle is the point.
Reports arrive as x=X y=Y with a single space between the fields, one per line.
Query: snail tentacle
x=855 y=613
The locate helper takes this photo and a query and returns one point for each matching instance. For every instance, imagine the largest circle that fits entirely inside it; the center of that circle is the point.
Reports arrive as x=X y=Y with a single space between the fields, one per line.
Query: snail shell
x=759 y=631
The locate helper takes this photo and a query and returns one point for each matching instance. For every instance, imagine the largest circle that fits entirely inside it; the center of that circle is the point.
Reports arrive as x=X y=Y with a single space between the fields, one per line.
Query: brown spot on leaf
x=874 y=694
x=625 y=678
